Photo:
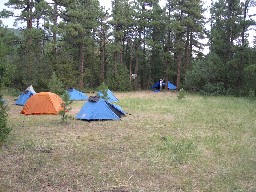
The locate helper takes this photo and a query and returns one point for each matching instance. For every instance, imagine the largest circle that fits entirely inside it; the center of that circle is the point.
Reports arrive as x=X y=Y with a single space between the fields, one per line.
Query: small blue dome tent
x=76 y=95
x=99 y=109
x=110 y=96
x=170 y=86
x=22 y=99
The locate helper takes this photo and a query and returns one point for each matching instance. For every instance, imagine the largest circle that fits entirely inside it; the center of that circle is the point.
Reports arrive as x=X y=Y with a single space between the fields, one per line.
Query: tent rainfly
x=111 y=98
x=22 y=99
x=76 y=95
x=43 y=103
x=100 y=109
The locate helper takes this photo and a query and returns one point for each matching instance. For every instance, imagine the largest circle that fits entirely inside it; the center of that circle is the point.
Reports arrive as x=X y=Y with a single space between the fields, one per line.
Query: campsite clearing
x=165 y=144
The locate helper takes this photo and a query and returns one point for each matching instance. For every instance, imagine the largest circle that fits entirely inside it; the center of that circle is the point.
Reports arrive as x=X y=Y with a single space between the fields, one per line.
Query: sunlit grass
x=163 y=144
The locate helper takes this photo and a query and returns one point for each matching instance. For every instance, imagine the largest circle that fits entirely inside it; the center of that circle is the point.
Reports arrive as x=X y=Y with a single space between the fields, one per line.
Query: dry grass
x=165 y=144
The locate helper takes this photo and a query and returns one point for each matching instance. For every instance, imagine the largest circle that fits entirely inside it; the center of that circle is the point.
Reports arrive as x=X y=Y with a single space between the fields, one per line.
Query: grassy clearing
x=165 y=144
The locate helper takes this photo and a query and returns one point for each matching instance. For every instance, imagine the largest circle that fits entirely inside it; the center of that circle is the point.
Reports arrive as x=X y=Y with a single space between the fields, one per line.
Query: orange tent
x=43 y=103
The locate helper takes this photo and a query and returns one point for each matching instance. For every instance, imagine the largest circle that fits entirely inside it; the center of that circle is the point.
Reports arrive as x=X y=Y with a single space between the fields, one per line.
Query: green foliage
x=63 y=64
x=206 y=70
x=251 y=94
x=228 y=40
x=4 y=128
x=65 y=105
x=2 y=71
x=181 y=94
x=55 y=85
x=32 y=67
x=8 y=48
x=250 y=78
x=9 y=75
x=11 y=91
x=213 y=89
x=144 y=37
x=103 y=88
x=120 y=80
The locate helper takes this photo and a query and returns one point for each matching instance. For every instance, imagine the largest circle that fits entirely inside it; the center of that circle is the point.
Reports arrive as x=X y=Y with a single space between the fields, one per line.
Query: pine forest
x=131 y=46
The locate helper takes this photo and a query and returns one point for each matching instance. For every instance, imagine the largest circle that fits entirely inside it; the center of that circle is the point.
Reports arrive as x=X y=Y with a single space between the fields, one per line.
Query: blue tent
x=76 y=95
x=22 y=99
x=110 y=96
x=170 y=86
x=100 y=110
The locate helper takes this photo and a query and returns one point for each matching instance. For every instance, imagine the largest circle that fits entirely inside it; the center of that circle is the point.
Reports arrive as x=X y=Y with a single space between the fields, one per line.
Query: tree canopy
x=130 y=47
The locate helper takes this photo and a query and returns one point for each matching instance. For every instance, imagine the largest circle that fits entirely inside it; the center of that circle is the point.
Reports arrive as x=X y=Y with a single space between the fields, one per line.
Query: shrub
x=251 y=94
x=55 y=85
x=120 y=80
x=4 y=129
x=103 y=88
x=181 y=94
x=213 y=89
x=65 y=104
x=205 y=71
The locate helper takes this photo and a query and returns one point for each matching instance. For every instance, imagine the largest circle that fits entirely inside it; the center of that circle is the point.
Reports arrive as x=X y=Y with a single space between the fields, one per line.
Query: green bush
x=11 y=91
x=65 y=105
x=213 y=89
x=181 y=94
x=120 y=80
x=205 y=72
x=55 y=85
x=4 y=129
x=103 y=88
x=251 y=94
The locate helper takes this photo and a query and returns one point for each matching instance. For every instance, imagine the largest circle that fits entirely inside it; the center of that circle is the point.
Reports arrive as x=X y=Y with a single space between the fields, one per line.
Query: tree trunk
x=242 y=59
x=29 y=17
x=55 y=17
x=136 y=70
x=167 y=61
x=168 y=45
x=144 y=76
x=229 y=29
x=187 y=50
x=178 y=70
x=103 y=57
x=131 y=57
x=246 y=4
x=82 y=48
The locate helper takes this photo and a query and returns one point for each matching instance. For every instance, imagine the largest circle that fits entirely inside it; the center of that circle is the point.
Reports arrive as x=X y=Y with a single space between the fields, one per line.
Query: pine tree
x=4 y=128
x=79 y=26
x=187 y=27
x=229 y=25
x=55 y=85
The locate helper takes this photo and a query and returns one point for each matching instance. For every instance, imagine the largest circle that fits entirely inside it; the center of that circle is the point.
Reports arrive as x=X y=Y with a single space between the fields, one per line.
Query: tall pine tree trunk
x=229 y=39
x=167 y=60
x=242 y=59
x=167 y=52
x=131 y=58
x=103 y=58
x=179 y=52
x=136 y=70
x=29 y=14
x=55 y=17
x=187 y=50
x=178 y=70
x=82 y=49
